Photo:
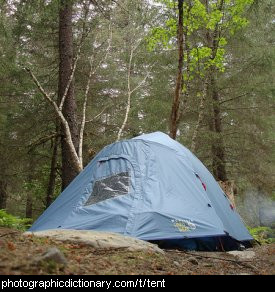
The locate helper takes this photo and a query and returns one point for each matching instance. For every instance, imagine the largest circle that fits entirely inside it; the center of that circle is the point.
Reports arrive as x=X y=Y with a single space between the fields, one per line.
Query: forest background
x=78 y=75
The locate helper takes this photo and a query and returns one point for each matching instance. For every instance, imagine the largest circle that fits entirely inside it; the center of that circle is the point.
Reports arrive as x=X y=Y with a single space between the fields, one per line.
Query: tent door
x=135 y=187
x=124 y=168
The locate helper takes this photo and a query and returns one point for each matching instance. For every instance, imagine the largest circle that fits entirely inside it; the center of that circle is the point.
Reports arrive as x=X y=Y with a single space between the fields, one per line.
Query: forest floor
x=18 y=256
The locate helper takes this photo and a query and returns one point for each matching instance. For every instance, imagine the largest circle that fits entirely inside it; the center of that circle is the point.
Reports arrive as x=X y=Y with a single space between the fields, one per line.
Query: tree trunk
x=200 y=116
x=30 y=179
x=218 y=150
x=70 y=108
x=3 y=194
x=52 y=178
x=174 y=117
x=29 y=206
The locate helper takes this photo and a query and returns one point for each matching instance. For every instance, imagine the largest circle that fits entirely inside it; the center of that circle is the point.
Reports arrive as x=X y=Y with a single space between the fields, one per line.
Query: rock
x=99 y=239
x=241 y=247
x=52 y=254
x=177 y=264
x=193 y=261
x=243 y=255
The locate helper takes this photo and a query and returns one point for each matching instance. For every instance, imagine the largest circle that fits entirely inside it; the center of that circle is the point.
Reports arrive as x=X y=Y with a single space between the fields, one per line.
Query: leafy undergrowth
x=263 y=234
x=8 y=220
x=18 y=254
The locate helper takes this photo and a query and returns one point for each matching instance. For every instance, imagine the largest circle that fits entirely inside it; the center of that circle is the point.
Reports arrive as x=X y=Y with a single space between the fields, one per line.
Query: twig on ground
x=245 y=263
x=9 y=233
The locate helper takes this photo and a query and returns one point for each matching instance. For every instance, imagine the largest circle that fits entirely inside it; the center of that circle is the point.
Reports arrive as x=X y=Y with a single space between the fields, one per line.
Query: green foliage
x=219 y=18
x=160 y=37
x=263 y=234
x=10 y=221
x=235 y=14
x=201 y=59
x=214 y=18
x=194 y=16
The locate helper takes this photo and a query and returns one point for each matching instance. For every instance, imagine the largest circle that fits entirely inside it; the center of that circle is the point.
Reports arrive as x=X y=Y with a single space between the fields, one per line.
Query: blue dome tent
x=152 y=188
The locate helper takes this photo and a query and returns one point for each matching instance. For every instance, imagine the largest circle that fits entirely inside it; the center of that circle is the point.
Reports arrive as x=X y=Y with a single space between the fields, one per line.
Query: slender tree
x=174 y=116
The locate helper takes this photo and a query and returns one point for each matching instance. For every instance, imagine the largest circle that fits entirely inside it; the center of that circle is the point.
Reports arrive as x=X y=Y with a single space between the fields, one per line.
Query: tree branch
x=68 y=136
x=98 y=115
x=141 y=83
x=233 y=98
x=42 y=140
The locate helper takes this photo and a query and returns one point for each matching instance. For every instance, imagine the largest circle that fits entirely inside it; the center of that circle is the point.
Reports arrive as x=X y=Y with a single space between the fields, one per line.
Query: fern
x=10 y=221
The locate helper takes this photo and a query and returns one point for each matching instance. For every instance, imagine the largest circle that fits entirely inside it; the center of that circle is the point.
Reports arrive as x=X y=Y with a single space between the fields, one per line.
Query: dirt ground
x=18 y=255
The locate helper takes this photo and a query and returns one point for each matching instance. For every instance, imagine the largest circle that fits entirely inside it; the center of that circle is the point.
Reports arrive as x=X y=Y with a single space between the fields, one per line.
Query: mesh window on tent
x=109 y=187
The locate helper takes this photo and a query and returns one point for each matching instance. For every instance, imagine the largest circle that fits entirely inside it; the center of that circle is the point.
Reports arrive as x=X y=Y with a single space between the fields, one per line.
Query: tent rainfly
x=152 y=188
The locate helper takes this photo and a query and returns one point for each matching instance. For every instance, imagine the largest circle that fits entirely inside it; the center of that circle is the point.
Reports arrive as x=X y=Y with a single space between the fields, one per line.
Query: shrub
x=10 y=221
x=263 y=234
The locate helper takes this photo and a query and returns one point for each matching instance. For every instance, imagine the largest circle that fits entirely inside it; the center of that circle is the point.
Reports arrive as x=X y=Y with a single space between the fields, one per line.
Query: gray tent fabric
x=149 y=187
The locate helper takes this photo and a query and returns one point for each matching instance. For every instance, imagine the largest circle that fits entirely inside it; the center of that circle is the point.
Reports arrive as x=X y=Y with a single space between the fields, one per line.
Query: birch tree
x=130 y=90
x=65 y=106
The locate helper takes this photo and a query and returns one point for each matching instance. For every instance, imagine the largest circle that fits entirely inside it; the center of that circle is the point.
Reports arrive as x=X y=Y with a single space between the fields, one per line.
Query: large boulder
x=98 y=239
